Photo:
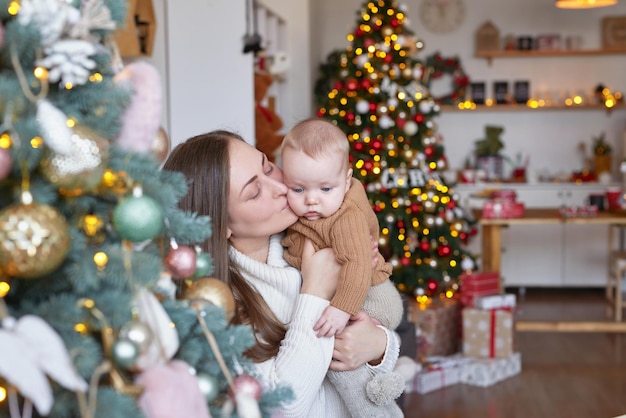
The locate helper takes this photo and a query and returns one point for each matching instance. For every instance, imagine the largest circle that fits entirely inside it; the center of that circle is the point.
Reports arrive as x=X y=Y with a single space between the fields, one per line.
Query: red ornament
x=395 y=22
x=358 y=146
x=248 y=385
x=400 y=123
x=431 y=285
x=366 y=84
x=415 y=207
x=424 y=246
x=320 y=113
x=429 y=151
x=368 y=165
x=443 y=250
x=388 y=58
x=419 y=118
x=377 y=145
x=400 y=224
x=373 y=107
x=338 y=85
x=452 y=204
x=358 y=32
x=405 y=261
x=352 y=84
x=368 y=42
x=181 y=262
x=350 y=117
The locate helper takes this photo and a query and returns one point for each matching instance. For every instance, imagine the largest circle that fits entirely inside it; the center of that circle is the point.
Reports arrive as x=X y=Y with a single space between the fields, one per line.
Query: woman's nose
x=278 y=187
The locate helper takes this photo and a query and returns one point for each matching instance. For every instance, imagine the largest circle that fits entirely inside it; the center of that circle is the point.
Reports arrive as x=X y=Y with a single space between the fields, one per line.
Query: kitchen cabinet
x=548 y=255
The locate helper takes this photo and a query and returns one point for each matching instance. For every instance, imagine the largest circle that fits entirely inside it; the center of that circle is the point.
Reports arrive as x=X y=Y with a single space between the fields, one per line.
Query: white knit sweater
x=303 y=359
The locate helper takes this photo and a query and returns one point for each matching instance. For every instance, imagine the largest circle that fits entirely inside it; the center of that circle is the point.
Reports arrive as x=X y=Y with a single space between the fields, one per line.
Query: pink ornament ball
x=248 y=385
x=181 y=262
x=5 y=163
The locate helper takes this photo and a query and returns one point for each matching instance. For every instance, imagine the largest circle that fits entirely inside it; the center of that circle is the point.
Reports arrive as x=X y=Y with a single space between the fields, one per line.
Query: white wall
x=207 y=80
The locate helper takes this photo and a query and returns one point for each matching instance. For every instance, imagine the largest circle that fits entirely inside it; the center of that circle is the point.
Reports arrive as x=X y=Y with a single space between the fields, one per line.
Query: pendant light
x=584 y=4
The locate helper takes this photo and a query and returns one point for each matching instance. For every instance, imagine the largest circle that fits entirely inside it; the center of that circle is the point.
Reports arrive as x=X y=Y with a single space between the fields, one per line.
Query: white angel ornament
x=29 y=350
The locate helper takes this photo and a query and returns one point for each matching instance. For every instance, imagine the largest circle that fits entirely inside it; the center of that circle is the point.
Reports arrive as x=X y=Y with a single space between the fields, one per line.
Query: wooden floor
x=564 y=375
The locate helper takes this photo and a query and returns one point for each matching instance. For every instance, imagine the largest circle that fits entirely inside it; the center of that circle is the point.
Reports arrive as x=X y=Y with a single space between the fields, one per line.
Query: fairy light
x=36 y=142
x=40 y=73
x=96 y=78
x=92 y=224
x=14 y=8
x=101 y=259
x=70 y=123
x=3 y=393
x=5 y=140
x=4 y=288
x=81 y=328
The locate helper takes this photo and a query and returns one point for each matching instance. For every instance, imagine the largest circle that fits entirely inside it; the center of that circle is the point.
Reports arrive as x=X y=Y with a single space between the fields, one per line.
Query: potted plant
x=487 y=152
x=602 y=155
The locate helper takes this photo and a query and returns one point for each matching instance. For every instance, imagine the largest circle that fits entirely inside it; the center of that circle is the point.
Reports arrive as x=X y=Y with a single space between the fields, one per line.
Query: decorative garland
x=439 y=66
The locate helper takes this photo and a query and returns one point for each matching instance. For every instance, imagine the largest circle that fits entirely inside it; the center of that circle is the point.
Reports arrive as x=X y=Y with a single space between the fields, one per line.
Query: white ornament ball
x=362 y=106
x=425 y=106
x=385 y=122
x=467 y=264
x=410 y=128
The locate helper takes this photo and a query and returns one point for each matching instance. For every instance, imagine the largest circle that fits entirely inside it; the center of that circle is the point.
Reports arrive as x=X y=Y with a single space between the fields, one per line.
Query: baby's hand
x=332 y=322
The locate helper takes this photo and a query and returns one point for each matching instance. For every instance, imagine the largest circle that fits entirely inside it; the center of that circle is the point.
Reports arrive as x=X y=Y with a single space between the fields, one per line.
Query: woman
x=244 y=194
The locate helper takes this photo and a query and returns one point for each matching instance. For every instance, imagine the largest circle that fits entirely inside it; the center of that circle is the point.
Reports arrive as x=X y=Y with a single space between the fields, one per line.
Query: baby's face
x=316 y=186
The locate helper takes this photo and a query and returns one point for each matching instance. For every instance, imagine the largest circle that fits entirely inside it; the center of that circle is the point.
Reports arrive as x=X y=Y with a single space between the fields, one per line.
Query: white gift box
x=433 y=379
x=505 y=300
x=486 y=372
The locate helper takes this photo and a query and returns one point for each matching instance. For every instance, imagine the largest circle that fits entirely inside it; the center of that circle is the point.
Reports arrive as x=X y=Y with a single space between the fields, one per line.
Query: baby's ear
x=229 y=233
x=348 y=178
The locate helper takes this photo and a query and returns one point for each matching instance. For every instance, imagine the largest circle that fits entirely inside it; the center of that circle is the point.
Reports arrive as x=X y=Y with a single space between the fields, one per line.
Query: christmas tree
x=375 y=91
x=107 y=304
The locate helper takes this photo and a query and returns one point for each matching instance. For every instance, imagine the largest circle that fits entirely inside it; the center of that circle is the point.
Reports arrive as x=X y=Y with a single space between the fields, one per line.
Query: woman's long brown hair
x=205 y=162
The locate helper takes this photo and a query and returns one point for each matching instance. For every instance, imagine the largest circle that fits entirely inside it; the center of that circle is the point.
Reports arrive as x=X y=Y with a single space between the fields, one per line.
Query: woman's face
x=257 y=201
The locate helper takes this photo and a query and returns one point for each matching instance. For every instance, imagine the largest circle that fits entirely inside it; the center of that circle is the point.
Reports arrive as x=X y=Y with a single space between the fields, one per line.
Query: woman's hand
x=320 y=271
x=361 y=342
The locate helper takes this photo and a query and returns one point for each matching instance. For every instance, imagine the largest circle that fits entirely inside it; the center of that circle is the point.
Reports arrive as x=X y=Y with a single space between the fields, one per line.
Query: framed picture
x=478 y=92
x=614 y=32
x=501 y=91
x=521 y=91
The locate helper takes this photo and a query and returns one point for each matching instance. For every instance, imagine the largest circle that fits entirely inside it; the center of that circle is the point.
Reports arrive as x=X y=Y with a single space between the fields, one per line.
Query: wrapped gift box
x=437 y=326
x=503 y=209
x=486 y=372
x=505 y=300
x=435 y=378
x=478 y=284
x=487 y=333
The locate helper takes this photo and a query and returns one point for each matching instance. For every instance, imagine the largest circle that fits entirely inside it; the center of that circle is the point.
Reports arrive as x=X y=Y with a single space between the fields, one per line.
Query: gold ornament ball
x=34 y=240
x=81 y=169
x=214 y=291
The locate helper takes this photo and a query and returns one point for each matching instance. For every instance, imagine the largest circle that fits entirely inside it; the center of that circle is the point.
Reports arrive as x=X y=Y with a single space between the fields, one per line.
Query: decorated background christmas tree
x=107 y=304
x=375 y=91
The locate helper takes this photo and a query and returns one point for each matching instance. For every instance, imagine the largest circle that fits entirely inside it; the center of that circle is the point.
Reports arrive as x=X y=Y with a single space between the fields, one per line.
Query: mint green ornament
x=204 y=266
x=138 y=218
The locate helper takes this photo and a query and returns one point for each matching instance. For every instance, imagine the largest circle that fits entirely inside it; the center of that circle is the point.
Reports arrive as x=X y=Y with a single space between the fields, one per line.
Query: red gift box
x=478 y=284
x=503 y=209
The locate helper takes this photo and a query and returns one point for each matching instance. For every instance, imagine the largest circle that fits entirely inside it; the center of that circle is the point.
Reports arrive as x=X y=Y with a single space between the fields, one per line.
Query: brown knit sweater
x=347 y=232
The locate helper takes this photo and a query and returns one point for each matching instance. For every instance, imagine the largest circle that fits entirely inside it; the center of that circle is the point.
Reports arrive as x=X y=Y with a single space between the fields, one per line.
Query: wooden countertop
x=551 y=216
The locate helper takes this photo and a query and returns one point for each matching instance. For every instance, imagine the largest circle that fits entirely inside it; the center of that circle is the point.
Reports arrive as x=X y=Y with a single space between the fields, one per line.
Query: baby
x=334 y=212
